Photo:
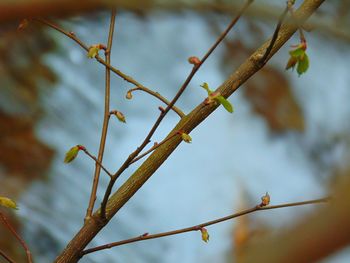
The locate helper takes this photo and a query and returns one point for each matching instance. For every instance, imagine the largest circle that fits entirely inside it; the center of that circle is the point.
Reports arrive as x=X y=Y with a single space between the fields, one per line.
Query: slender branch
x=158 y=96
x=155 y=146
x=17 y=236
x=121 y=169
x=106 y=117
x=71 y=35
x=300 y=27
x=6 y=257
x=127 y=78
x=170 y=105
x=275 y=34
x=200 y=226
x=97 y=161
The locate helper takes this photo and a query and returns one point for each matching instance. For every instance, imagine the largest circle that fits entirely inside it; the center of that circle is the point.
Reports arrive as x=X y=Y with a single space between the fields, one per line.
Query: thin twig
x=106 y=118
x=6 y=257
x=127 y=78
x=158 y=96
x=152 y=148
x=275 y=35
x=200 y=226
x=166 y=110
x=17 y=236
x=300 y=27
x=97 y=161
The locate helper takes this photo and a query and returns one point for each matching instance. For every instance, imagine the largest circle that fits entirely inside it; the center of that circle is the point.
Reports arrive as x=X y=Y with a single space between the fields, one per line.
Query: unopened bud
x=265 y=200
x=194 y=61
x=128 y=95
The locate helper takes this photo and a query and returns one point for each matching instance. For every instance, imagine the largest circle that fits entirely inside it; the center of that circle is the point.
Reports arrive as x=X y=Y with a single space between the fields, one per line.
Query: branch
x=127 y=78
x=155 y=146
x=17 y=236
x=97 y=161
x=13 y=11
x=106 y=117
x=275 y=34
x=194 y=70
x=93 y=226
x=6 y=257
x=200 y=226
x=312 y=239
x=301 y=33
x=158 y=96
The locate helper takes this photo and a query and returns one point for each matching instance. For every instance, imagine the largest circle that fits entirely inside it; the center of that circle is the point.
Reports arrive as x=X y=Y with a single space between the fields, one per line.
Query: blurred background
x=289 y=135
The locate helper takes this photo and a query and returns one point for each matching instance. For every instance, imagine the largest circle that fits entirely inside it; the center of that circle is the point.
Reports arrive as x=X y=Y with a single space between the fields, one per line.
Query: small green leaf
x=72 y=154
x=297 y=52
x=7 y=202
x=205 y=235
x=303 y=64
x=93 y=51
x=186 y=138
x=224 y=102
x=206 y=87
x=291 y=62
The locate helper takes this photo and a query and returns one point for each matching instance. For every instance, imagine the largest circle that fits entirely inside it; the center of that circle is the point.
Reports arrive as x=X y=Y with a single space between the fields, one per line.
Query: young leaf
x=224 y=102
x=93 y=50
x=205 y=235
x=303 y=64
x=299 y=58
x=206 y=87
x=186 y=138
x=72 y=154
x=7 y=202
x=297 y=52
x=291 y=62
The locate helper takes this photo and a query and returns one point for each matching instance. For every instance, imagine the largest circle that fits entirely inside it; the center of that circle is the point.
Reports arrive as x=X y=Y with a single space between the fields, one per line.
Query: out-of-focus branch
x=316 y=237
x=15 y=10
x=17 y=236
x=6 y=257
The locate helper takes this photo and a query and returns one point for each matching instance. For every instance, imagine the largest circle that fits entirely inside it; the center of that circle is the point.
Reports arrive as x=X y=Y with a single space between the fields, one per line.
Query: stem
x=160 y=97
x=275 y=35
x=198 y=227
x=106 y=118
x=170 y=105
x=127 y=78
x=300 y=28
x=153 y=148
x=17 y=236
x=6 y=257
x=97 y=161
